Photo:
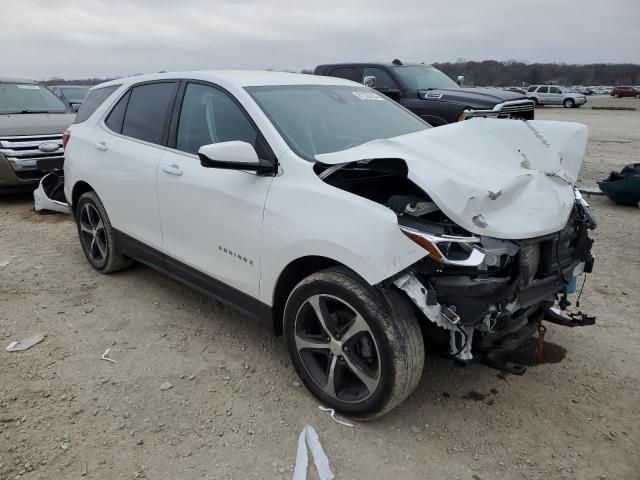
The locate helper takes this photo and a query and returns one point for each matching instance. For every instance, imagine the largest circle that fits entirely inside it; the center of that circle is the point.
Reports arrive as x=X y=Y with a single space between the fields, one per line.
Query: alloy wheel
x=92 y=234
x=337 y=348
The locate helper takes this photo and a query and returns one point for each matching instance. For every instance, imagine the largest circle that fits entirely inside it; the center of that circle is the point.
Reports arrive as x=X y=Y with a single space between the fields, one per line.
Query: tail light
x=65 y=138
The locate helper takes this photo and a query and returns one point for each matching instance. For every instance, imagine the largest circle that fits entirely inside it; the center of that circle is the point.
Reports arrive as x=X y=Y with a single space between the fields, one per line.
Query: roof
x=241 y=78
x=16 y=80
x=70 y=86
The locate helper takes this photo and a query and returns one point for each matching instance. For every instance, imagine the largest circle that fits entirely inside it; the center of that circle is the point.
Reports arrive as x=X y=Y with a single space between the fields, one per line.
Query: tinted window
x=554 y=90
x=383 y=79
x=147 y=110
x=93 y=101
x=532 y=88
x=348 y=73
x=423 y=77
x=115 y=118
x=543 y=90
x=209 y=115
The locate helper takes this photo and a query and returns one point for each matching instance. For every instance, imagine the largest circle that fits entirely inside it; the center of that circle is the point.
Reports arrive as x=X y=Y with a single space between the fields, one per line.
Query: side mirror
x=75 y=107
x=461 y=80
x=234 y=155
x=369 y=81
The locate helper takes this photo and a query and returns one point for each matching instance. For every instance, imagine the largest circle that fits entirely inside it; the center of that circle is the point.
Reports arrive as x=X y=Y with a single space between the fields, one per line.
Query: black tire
x=392 y=337
x=637 y=95
x=536 y=103
x=96 y=235
x=568 y=103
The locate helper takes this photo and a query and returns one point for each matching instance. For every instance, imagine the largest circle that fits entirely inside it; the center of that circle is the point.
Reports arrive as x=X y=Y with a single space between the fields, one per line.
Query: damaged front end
x=493 y=294
x=496 y=211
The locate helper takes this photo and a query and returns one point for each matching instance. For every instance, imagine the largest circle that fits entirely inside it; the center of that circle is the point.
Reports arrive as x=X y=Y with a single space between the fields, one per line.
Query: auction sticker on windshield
x=366 y=96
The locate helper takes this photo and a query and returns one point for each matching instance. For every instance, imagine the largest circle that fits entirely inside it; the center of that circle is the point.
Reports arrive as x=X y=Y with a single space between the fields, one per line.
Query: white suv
x=555 y=95
x=335 y=216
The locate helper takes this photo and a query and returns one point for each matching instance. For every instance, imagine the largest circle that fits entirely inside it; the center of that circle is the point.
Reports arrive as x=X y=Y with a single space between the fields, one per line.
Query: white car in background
x=336 y=217
x=555 y=95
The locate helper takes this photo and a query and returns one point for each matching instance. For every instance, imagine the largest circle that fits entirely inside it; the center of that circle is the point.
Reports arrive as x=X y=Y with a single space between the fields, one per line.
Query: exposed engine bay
x=490 y=294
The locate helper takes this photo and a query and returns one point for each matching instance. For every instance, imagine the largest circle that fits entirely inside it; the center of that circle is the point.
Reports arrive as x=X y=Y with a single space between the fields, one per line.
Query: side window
x=532 y=88
x=554 y=90
x=543 y=90
x=146 y=111
x=116 y=116
x=93 y=101
x=209 y=115
x=348 y=73
x=383 y=79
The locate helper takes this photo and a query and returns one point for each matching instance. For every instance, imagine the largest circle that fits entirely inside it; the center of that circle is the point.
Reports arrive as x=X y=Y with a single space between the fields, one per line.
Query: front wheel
x=569 y=103
x=535 y=102
x=351 y=350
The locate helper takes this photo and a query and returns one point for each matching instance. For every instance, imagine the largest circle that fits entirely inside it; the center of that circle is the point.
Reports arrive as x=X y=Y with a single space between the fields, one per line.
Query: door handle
x=171 y=169
x=101 y=146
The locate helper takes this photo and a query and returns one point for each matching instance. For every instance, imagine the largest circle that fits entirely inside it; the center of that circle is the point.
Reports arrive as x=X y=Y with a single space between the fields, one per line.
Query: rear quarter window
x=146 y=113
x=94 y=99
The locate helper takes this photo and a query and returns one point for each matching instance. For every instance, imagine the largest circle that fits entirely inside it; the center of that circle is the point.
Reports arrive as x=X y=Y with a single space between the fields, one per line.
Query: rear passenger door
x=212 y=217
x=543 y=95
x=555 y=95
x=128 y=145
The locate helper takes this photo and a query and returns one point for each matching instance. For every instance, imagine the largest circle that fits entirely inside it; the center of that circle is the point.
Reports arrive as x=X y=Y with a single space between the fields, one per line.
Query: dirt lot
x=236 y=408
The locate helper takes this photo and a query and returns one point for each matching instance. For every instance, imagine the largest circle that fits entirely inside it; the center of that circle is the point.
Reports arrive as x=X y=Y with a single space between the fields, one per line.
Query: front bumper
x=10 y=181
x=50 y=194
x=515 y=109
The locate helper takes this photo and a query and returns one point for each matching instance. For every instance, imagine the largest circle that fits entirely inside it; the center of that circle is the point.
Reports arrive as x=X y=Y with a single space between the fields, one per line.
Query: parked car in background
x=335 y=216
x=32 y=120
x=555 y=95
x=625 y=91
x=519 y=90
x=581 y=89
x=431 y=94
x=72 y=94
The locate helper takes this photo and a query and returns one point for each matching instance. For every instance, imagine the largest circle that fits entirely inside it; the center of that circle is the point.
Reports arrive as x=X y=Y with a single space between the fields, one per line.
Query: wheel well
x=293 y=274
x=78 y=189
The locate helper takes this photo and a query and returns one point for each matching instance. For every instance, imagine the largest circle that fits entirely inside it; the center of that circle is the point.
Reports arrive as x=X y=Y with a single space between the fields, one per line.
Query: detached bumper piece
x=50 y=194
x=554 y=315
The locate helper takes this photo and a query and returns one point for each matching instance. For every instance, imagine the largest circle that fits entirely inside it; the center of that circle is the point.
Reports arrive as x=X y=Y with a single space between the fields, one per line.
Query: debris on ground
x=332 y=412
x=166 y=386
x=105 y=357
x=623 y=187
x=308 y=438
x=25 y=344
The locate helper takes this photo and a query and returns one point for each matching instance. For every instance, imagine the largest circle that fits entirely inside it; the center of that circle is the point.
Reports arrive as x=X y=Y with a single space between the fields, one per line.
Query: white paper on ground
x=18 y=346
x=309 y=438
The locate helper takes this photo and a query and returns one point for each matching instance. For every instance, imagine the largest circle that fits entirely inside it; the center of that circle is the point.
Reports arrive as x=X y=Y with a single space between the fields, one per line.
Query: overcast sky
x=79 y=38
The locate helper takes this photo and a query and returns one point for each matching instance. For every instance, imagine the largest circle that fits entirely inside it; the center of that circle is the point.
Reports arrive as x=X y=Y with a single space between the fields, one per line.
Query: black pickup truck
x=431 y=94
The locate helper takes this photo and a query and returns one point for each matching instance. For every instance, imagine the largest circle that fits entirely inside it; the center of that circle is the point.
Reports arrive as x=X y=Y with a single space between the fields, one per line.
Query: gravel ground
x=234 y=407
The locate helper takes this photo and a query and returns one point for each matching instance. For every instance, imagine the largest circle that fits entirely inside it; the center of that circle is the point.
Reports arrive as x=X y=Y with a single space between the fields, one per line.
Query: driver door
x=211 y=218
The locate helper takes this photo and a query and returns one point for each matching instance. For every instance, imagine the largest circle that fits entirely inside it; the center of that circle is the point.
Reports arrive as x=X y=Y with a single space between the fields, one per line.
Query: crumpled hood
x=506 y=179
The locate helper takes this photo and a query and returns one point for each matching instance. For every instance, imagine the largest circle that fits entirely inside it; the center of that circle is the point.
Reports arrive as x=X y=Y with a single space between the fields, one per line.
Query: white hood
x=507 y=179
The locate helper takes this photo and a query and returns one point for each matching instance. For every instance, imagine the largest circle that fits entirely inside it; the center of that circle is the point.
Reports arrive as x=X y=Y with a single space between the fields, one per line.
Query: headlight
x=449 y=249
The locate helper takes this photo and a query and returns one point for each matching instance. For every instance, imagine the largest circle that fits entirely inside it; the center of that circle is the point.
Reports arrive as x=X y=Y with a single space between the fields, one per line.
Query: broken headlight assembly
x=448 y=249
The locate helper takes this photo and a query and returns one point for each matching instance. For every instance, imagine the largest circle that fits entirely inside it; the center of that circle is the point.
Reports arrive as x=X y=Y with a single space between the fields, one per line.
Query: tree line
x=495 y=73
x=516 y=73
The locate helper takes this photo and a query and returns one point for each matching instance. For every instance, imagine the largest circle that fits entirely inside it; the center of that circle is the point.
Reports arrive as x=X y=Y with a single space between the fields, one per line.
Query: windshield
x=29 y=98
x=422 y=77
x=316 y=119
x=75 y=95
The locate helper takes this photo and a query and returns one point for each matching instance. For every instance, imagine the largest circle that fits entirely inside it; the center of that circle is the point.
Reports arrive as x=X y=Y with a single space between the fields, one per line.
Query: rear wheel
x=569 y=103
x=349 y=348
x=96 y=235
x=617 y=95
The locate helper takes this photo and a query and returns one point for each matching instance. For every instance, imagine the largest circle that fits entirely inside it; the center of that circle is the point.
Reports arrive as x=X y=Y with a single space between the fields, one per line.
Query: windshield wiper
x=31 y=111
